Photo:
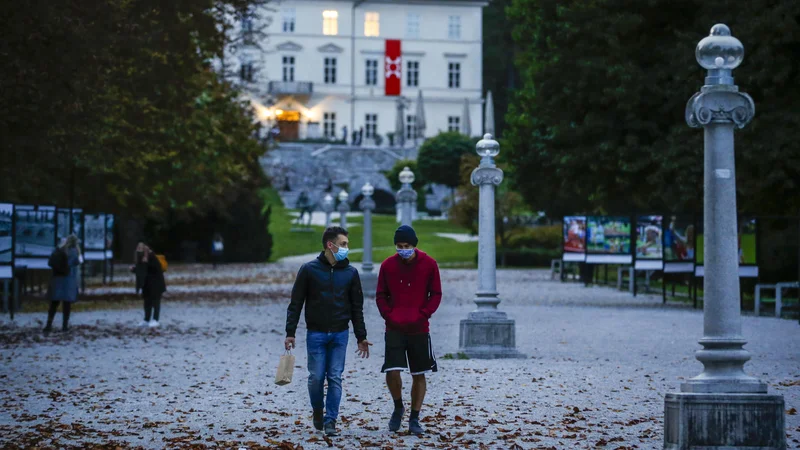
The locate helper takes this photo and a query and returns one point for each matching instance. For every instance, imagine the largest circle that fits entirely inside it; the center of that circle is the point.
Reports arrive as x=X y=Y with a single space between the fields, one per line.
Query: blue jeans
x=326 y=355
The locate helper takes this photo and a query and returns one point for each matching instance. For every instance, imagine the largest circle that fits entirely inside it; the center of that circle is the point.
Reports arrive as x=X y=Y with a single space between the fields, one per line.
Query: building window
x=246 y=72
x=330 y=23
x=288 y=68
x=329 y=125
x=412 y=25
x=289 y=16
x=372 y=72
x=411 y=127
x=330 y=70
x=412 y=73
x=454 y=75
x=371 y=126
x=372 y=24
x=454 y=27
x=454 y=123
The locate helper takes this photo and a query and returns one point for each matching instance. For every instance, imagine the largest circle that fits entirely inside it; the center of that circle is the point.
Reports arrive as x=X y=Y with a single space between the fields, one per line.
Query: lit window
x=372 y=24
x=330 y=23
x=412 y=73
x=372 y=72
x=411 y=127
x=454 y=75
x=288 y=68
x=289 y=16
x=329 y=125
x=454 y=123
x=412 y=25
x=330 y=70
x=371 y=128
x=454 y=27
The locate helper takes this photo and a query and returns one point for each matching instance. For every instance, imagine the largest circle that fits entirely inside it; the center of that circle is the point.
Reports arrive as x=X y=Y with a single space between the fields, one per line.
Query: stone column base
x=369 y=283
x=488 y=338
x=724 y=421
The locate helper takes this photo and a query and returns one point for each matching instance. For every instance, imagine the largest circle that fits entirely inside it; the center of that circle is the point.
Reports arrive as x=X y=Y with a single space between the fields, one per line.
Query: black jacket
x=150 y=277
x=332 y=295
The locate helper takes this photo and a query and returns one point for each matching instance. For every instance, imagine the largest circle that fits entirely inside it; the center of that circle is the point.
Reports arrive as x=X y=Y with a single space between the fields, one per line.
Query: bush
x=547 y=237
x=525 y=257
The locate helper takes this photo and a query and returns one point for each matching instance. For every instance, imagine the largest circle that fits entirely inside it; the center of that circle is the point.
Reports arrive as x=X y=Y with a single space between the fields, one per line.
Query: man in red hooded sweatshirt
x=409 y=292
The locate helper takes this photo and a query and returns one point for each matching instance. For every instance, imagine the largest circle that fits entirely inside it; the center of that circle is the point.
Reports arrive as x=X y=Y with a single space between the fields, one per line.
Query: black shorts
x=409 y=351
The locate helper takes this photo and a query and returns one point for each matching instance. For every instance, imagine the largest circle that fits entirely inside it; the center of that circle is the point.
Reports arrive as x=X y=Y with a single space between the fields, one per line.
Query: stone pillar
x=327 y=207
x=343 y=208
x=369 y=280
x=723 y=407
x=487 y=333
x=406 y=197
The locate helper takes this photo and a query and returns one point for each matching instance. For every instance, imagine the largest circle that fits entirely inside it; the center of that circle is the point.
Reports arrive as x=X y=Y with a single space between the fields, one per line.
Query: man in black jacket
x=331 y=290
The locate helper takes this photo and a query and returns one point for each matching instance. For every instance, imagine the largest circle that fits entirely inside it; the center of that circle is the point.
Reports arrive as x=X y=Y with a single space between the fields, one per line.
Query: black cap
x=406 y=234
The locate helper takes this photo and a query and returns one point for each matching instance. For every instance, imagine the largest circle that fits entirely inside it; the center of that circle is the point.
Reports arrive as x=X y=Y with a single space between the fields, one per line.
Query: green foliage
x=119 y=96
x=598 y=124
x=439 y=155
x=499 y=74
x=544 y=237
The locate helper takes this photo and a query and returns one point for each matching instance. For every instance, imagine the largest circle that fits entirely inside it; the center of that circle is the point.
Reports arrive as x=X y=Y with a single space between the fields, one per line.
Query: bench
x=778 y=288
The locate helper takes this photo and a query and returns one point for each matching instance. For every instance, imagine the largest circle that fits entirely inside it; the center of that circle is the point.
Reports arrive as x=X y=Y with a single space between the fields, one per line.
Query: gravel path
x=599 y=363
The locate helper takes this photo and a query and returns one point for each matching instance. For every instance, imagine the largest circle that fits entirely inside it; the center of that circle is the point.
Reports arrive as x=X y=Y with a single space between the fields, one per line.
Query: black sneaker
x=318 y=416
x=414 y=427
x=47 y=330
x=330 y=428
x=396 y=420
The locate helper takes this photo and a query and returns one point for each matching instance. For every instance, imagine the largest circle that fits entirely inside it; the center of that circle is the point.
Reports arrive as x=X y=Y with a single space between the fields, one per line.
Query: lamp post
x=343 y=208
x=722 y=407
x=327 y=207
x=406 y=197
x=487 y=333
x=369 y=280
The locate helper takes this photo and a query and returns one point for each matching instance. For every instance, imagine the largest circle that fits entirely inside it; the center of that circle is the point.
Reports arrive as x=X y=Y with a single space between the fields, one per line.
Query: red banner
x=393 y=67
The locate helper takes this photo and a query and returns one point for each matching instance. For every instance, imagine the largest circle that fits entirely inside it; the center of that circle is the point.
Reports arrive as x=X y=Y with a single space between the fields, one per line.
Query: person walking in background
x=217 y=250
x=331 y=291
x=64 y=262
x=150 y=279
x=409 y=292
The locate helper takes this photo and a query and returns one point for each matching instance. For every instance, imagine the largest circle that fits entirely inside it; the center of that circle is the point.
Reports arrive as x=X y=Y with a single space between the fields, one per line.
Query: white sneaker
x=153 y=323
x=143 y=324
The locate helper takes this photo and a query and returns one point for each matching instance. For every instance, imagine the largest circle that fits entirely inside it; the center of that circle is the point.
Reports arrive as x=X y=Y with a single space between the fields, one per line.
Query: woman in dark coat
x=64 y=285
x=150 y=279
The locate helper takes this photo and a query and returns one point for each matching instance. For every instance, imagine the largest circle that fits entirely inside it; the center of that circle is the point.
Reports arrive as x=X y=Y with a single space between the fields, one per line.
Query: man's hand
x=363 y=348
x=289 y=343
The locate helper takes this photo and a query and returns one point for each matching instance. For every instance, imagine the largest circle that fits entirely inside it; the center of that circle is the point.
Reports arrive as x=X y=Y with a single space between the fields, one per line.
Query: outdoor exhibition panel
x=94 y=237
x=649 y=249
x=747 y=252
x=6 y=240
x=34 y=235
x=608 y=240
x=574 y=234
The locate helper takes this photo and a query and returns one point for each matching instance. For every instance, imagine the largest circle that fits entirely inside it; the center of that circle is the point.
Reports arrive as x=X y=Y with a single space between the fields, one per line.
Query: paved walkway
x=599 y=363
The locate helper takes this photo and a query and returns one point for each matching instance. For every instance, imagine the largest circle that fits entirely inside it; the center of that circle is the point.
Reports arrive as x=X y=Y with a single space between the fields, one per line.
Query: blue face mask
x=341 y=254
x=405 y=254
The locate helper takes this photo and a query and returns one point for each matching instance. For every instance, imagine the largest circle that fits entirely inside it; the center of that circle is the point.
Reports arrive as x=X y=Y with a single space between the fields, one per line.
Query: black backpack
x=59 y=262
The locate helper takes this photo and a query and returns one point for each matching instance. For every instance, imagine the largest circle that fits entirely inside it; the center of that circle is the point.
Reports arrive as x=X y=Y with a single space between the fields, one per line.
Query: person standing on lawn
x=330 y=288
x=150 y=279
x=65 y=262
x=409 y=292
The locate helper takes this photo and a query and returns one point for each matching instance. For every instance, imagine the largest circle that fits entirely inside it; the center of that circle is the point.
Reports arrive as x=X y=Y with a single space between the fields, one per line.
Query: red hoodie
x=408 y=292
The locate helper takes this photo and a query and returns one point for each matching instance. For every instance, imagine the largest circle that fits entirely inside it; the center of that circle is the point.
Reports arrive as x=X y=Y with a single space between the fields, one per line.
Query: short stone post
x=406 y=197
x=327 y=207
x=487 y=333
x=343 y=208
x=369 y=280
x=722 y=407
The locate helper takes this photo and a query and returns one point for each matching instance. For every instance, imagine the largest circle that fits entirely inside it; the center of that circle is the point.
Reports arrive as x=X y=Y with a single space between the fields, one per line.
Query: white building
x=325 y=64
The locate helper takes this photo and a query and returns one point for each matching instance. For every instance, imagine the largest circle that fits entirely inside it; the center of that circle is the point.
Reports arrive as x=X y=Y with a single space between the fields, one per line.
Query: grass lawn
x=445 y=251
